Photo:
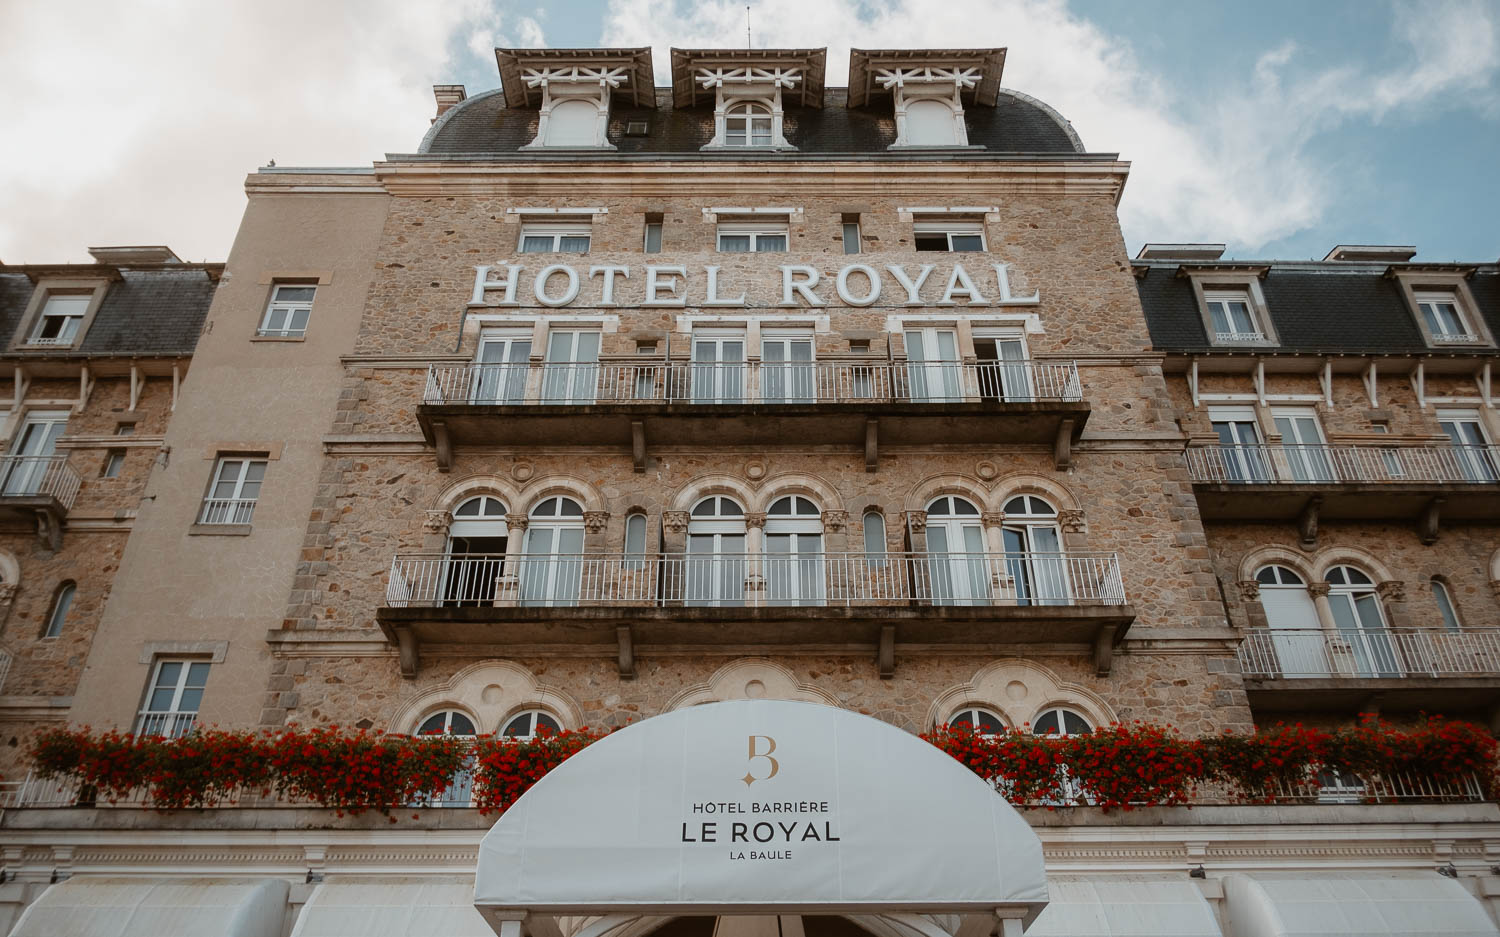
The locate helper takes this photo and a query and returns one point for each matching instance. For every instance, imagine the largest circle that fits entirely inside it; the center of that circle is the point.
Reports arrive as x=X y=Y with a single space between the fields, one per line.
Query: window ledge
x=278 y=338
x=219 y=530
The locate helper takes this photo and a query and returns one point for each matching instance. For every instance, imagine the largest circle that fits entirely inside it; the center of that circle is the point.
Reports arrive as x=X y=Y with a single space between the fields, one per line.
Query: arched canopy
x=668 y=815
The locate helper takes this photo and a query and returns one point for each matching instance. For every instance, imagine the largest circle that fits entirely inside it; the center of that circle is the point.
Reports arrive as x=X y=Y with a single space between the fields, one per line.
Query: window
x=1444 y=318
x=555 y=238
x=114 y=461
x=1304 y=455
x=573 y=122
x=530 y=724
x=1239 y=457
x=653 y=237
x=460 y=791
x=61 y=317
x=236 y=486
x=716 y=553
x=1060 y=721
x=794 y=552
x=851 y=234
x=747 y=124
x=1361 y=622
x=125 y=429
x=1233 y=316
x=1473 y=456
x=956 y=553
x=718 y=370
x=930 y=122
x=552 y=564
x=874 y=523
x=475 y=557
x=28 y=469
x=752 y=238
x=980 y=720
x=1445 y=605
x=1295 y=647
x=950 y=236
x=787 y=371
x=635 y=541
x=1034 y=563
x=60 y=606
x=448 y=722
x=637 y=128
x=286 y=315
x=172 y=698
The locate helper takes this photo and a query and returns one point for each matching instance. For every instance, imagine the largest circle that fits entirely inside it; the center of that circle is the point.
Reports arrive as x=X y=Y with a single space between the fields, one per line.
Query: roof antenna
x=747 y=26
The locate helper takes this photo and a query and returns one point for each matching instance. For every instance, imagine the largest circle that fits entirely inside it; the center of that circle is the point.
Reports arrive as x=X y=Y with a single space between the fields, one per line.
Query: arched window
x=930 y=123
x=573 y=123
x=955 y=543
x=477 y=539
x=459 y=793
x=1034 y=561
x=552 y=568
x=529 y=724
x=1361 y=622
x=635 y=540
x=1056 y=720
x=1295 y=646
x=1445 y=605
x=874 y=524
x=794 y=552
x=60 y=605
x=979 y=719
x=447 y=722
x=715 y=573
x=747 y=124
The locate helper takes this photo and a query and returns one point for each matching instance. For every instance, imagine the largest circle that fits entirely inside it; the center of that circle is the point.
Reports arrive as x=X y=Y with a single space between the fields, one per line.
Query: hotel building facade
x=613 y=400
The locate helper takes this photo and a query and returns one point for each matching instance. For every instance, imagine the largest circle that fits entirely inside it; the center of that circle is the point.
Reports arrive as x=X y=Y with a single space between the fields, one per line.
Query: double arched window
x=1299 y=645
x=747 y=124
x=460 y=792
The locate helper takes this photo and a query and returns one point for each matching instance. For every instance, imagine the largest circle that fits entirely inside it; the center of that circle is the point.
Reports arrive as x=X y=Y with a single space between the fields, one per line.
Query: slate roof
x=483 y=125
x=146 y=312
x=1337 y=308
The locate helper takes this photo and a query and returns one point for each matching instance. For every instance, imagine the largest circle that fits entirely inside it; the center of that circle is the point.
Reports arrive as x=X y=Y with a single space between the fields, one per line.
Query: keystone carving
x=594 y=521
x=835 y=520
x=517 y=521
x=1071 y=521
x=1392 y=590
x=437 y=522
x=1316 y=589
x=1249 y=590
x=755 y=520
x=916 y=520
x=675 y=521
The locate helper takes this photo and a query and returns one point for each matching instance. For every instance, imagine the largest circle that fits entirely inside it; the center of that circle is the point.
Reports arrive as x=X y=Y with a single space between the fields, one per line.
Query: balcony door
x=475 y=558
x=932 y=365
x=1034 y=560
x=571 y=374
x=956 y=556
x=1002 y=367
x=794 y=561
x=1296 y=633
x=1304 y=450
x=787 y=371
x=553 y=565
x=1361 y=623
x=718 y=367
x=1242 y=456
x=31 y=452
x=502 y=364
x=715 y=564
x=1472 y=448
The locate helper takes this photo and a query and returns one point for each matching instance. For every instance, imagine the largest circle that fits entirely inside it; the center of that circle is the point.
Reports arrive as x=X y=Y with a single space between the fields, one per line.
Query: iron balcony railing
x=744 y=579
x=755 y=382
x=171 y=725
x=29 y=476
x=227 y=511
x=1371 y=653
x=1262 y=465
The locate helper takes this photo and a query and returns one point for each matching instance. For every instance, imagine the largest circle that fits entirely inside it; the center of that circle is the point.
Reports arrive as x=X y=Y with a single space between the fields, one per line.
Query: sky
x=1278 y=127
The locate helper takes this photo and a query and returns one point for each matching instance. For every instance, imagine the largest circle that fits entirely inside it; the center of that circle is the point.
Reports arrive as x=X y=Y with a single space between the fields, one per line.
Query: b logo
x=770 y=746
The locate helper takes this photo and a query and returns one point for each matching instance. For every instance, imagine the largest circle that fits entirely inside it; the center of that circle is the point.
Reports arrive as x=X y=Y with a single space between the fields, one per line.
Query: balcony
x=834 y=601
x=1346 y=483
x=37 y=491
x=861 y=404
x=1392 y=670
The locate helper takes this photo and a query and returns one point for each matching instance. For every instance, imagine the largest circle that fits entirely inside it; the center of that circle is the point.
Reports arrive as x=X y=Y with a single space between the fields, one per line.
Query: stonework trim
x=751 y=678
x=213 y=651
x=491 y=692
x=1018 y=691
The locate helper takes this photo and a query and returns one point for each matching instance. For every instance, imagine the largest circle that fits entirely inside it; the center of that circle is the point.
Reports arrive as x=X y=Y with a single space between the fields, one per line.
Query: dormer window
x=60 y=319
x=748 y=124
x=573 y=91
x=1443 y=315
x=1233 y=316
x=931 y=121
x=929 y=89
x=1232 y=304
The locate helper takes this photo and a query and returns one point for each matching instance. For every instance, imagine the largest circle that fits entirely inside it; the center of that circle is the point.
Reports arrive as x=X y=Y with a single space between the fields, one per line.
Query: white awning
x=1124 y=907
x=392 y=907
x=125 y=907
x=1353 y=905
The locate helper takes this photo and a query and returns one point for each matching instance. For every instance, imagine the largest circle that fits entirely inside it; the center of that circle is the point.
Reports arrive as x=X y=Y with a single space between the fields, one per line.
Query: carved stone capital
x=675 y=521
x=437 y=522
x=594 y=521
x=754 y=519
x=1071 y=521
x=1318 y=588
x=517 y=521
x=835 y=520
x=916 y=520
x=1249 y=590
x=992 y=518
x=1392 y=590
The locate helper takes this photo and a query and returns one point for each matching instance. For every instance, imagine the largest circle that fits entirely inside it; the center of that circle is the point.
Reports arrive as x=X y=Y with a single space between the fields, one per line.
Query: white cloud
x=1233 y=166
x=130 y=124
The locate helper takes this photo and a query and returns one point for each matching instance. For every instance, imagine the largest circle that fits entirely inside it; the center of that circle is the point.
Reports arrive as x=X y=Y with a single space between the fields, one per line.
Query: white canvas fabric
x=1124 y=907
x=392 y=907
x=1353 y=905
x=123 y=907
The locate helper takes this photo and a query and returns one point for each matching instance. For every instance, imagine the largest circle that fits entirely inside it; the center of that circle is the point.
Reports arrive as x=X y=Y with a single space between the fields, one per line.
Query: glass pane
x=229 y=475
x=169 y=673
x=734 y=243
x=1046 y=723
x=578 y=244
x=294 y=294
x=874 y=533
x=1239 y=317
x=191 y=698
x=967 y=242
x=520 y=726
x=461 y=725
x=299 y=319
x=534 y=244
x=161 y=699
x=770 y=243
x=544 y=721
x=432 y=725
x=653 y=238
x=1074 y=723
x=197 y=674
x=635 y=533
x=1216 y=314
x=851 y=239
x=1445 y=606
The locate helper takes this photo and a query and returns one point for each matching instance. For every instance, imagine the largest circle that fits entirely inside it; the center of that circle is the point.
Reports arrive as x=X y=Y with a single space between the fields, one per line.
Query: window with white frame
x=932 y=121
x=753 y=237
x=748 y=123
x=173 y=697
x=235 y=488
x=60 y=606
x=114 y=463
x=530 y=724
x=288 y=311
x=1444 y=317
x=851 y=234
x=948 y=236
x=555 y=238
x=1233 y=316
x=573 y=122
x=62 y=316
x=978 y=719
x=1445 y=604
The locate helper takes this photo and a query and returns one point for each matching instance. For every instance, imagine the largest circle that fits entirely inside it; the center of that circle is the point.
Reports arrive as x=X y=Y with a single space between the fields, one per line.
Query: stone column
x=508 y=589
x=755 y=548
x=994 y=538
x=1249 y=593
x=1392 y=593
x=1339 y=656
x=916 y=529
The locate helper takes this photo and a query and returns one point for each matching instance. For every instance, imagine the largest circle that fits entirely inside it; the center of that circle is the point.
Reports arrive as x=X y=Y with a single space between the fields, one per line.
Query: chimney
x=1379 y=253
x=1181 y=252
x=127 y=256
x=448 y=96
